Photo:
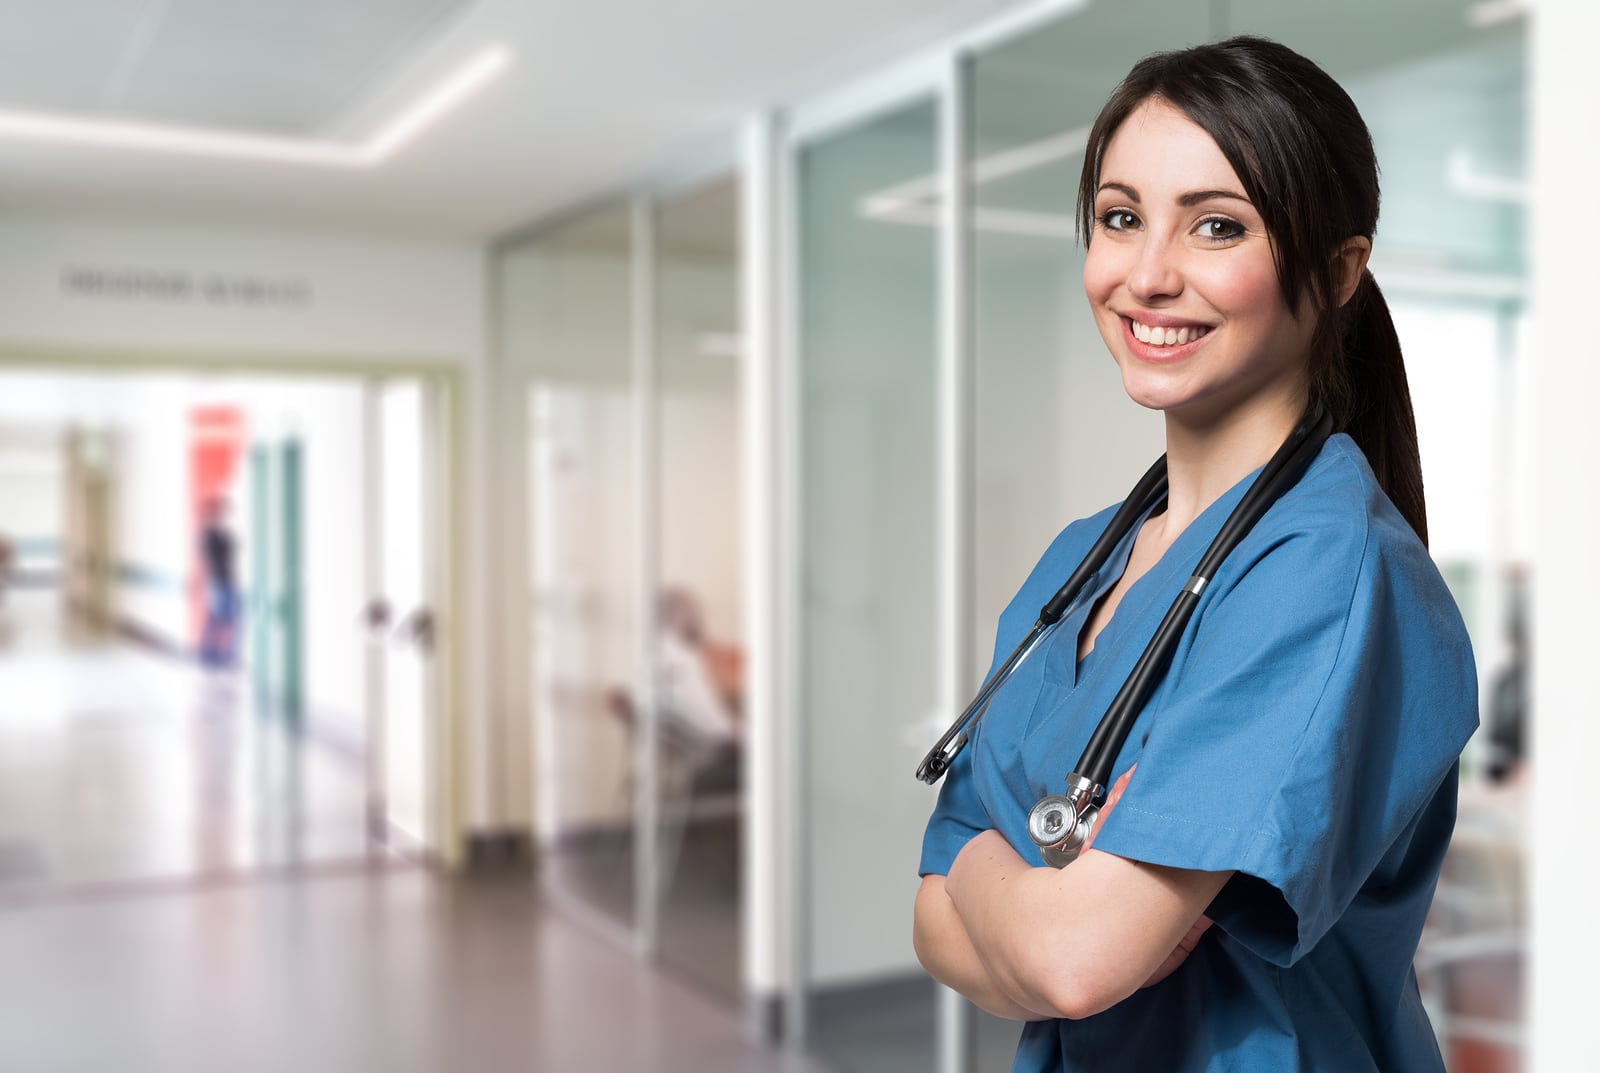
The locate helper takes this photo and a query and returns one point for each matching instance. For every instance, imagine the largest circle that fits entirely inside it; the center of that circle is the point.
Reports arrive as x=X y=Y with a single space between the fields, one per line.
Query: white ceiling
x=596 y=94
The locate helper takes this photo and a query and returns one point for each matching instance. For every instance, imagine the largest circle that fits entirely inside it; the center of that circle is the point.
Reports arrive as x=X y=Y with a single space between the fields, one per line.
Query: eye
x=1118 y=220
x=1220 y=229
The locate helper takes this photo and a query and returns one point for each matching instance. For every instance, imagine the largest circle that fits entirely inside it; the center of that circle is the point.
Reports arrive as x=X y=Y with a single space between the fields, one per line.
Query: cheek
x=1100 y=272
x=1248 y=290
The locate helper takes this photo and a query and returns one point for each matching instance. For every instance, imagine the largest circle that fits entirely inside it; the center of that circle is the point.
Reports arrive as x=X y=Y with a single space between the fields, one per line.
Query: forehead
x=1158 y=149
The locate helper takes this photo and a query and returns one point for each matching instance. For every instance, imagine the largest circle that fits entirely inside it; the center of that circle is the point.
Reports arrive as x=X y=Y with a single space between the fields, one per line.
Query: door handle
x=376 y=615
x=417 y=628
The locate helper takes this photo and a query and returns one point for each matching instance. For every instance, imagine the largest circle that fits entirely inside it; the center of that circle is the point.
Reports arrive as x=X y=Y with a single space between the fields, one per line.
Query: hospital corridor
x=497 y=499
x=186 y=883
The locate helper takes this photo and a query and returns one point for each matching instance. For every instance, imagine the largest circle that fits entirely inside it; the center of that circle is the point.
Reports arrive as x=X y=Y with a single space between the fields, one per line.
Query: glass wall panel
x=564 y=321
x=868 y=370
x=1055 y=438
x=1446 y=99
x=699 y=639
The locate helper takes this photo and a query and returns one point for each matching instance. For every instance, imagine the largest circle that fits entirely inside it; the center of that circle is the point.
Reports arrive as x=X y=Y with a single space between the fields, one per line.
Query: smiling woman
x=1257 y=886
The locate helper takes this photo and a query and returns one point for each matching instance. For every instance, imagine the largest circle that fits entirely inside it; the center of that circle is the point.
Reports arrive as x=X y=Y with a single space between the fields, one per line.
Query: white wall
x=1566 y=730
x=152 y=521
x=346 y=296
x=32 y=481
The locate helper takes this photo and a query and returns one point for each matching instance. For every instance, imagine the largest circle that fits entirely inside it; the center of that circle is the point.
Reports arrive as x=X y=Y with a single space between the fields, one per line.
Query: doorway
x=153 y=765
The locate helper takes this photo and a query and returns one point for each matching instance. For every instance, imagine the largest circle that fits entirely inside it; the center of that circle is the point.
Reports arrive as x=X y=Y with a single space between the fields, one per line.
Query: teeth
x=1167 y=336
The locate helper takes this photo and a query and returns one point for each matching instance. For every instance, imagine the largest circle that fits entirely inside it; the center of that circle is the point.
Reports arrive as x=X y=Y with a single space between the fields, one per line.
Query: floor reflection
x=120 y=764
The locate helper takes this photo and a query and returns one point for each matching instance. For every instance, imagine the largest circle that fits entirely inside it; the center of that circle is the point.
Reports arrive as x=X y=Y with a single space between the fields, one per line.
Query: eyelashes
x=1117 y=220
x=1218 y=230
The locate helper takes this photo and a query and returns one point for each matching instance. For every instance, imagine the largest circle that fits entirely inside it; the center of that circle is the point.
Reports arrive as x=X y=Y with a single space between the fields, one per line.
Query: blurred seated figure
x=699 y=682
x=1508 y=693
x=698 y=729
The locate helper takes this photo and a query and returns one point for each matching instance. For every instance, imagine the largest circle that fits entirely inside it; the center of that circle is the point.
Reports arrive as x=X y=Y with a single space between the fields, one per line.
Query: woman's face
x=1181 y=279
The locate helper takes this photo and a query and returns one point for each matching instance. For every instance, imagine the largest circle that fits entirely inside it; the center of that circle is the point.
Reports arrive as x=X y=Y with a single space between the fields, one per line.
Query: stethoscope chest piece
x=1060 y=824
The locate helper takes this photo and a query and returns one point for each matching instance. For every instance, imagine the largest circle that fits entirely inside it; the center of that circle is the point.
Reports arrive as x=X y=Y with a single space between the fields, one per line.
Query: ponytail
x=1364 y=388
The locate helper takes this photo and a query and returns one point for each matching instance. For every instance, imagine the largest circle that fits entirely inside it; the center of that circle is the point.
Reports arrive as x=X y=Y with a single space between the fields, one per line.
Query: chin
x=1152 y=396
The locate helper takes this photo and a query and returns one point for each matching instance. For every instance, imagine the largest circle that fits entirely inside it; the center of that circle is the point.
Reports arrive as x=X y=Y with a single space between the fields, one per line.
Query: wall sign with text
x=240 y=290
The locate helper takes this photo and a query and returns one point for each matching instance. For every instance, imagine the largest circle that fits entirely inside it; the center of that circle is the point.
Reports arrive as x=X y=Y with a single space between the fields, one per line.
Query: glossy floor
x=393 y=970
x=186 y=884
x=120 y=765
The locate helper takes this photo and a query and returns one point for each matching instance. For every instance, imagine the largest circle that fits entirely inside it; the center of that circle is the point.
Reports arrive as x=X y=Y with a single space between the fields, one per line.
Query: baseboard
x=508 y=849
x=763 y=1018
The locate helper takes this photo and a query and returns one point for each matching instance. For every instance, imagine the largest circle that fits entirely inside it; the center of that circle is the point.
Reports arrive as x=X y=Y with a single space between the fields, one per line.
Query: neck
x=1205 y=458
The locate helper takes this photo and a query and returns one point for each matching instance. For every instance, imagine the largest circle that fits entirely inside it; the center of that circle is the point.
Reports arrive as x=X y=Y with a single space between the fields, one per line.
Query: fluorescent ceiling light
x=389 y=139
x=1465 y=178
x=436 y=103
x=1488 y=13
x=916 y=202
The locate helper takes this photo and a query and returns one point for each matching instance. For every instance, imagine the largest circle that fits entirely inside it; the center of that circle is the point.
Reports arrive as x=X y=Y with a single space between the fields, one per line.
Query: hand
x=1180 y=953
x=1186 y=945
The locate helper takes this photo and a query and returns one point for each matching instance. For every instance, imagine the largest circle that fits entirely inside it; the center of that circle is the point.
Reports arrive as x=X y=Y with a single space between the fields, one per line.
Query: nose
x=1155 y=275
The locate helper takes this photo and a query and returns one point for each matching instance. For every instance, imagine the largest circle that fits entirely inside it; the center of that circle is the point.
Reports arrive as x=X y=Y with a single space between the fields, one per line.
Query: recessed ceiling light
x=404 y=127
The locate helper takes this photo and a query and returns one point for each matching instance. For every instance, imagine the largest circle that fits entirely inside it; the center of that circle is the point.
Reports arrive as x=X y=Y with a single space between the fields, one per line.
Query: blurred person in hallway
x=219 y=636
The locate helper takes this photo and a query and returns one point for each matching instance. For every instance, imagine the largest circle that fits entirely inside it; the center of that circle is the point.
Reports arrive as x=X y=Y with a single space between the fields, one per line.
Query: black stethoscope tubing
x=1092 y=774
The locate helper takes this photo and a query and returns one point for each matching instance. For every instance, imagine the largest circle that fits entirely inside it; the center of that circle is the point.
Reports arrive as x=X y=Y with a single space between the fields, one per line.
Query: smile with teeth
x=1167 y=336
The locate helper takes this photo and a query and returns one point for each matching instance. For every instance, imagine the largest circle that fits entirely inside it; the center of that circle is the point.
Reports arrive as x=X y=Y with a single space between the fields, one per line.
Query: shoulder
x=1337 y=521
x=1335 y=553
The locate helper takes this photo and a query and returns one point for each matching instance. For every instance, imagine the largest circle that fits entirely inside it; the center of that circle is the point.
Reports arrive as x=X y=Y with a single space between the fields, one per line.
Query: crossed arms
x=1032 y=943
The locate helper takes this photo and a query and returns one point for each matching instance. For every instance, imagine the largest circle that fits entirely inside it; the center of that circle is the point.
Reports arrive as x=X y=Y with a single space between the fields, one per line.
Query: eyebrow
x=1187 y=200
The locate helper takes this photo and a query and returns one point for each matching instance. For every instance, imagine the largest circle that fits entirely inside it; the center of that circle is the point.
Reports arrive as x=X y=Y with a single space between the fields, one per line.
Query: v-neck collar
x=1062 y=666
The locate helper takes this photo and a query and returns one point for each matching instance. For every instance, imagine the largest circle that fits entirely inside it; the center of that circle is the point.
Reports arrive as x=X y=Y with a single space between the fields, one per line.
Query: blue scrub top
x=1304 y=736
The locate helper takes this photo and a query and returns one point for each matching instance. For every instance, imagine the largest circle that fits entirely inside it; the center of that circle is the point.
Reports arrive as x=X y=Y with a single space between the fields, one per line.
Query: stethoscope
x=1060 y=824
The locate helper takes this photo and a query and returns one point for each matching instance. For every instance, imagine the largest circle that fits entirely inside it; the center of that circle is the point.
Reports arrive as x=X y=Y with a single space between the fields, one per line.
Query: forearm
x=946 y=951
x=989 y=890
x=1072 y=942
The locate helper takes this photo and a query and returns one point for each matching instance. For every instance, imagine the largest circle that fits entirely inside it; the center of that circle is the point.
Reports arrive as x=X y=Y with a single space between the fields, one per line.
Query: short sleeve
x=960 y=813
x=1320 y=697
x=957 y=818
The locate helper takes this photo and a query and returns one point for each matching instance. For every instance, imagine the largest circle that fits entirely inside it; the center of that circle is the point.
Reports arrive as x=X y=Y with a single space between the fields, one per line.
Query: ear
x=1349 y=261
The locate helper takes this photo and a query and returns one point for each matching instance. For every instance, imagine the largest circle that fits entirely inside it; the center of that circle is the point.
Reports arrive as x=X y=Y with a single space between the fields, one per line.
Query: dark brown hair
x=1305 y=157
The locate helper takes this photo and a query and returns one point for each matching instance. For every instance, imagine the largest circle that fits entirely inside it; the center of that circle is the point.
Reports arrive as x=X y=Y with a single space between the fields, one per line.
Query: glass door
x=567 y=322
x=403 y=693
x=1055 y=437
x=868 y=369
x=698 y=637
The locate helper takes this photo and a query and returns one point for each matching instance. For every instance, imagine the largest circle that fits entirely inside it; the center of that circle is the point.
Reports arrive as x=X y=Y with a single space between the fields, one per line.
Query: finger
x=1181 y=952
x=1112 y=798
